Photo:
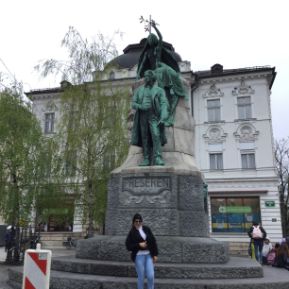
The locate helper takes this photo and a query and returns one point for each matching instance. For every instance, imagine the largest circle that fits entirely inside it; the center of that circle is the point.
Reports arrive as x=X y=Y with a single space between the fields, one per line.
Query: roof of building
x=43 y=91
x=217 y=71
x=132 y=52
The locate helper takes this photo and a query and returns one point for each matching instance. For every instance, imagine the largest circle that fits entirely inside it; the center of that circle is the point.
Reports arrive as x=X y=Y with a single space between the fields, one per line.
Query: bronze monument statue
x=161 y=61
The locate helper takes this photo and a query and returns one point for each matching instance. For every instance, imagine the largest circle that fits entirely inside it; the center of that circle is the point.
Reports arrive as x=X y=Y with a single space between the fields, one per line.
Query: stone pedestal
x=171 y=204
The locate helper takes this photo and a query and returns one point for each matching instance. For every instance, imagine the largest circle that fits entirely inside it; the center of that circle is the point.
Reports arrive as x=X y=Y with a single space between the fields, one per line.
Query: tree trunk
x=90 y=232
x=284 y=210
x=13 y=255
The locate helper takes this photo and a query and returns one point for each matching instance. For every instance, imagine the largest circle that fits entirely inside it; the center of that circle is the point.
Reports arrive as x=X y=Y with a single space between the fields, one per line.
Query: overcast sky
x=234 y=33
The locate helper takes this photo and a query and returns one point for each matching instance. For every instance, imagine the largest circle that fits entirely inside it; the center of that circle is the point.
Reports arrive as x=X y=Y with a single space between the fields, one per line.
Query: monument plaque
x=144 y=191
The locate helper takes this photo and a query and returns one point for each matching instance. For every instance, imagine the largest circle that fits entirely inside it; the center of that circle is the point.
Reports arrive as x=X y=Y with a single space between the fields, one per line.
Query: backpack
x=257 y=233
x=271 y=257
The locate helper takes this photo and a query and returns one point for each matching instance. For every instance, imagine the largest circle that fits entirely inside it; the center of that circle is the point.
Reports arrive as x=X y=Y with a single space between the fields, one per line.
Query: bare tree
x=281 y=151
x=84 y=58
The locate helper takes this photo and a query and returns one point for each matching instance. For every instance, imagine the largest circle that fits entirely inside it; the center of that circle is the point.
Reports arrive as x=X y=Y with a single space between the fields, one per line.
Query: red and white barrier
x=36 y=273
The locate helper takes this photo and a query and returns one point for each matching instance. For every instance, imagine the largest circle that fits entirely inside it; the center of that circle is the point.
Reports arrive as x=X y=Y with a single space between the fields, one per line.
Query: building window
x=248 y=160
x=49 y=122
x=216 y=161
x=244 y=107
x=214 y=109
x=234 y=215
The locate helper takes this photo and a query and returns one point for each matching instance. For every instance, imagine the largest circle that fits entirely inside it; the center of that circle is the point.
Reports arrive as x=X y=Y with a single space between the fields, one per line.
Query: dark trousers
x=258 y=246
x=264 y=260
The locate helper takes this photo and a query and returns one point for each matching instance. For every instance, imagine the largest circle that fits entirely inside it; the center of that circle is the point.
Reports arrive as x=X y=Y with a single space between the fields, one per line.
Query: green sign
x=269 y=204
x=235 y=209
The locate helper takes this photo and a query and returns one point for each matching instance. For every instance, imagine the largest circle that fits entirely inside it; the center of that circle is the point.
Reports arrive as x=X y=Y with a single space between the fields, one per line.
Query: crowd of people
x=261 y=248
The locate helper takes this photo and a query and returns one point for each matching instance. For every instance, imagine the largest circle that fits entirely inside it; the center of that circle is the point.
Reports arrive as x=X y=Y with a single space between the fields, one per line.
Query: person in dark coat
x=144 y=251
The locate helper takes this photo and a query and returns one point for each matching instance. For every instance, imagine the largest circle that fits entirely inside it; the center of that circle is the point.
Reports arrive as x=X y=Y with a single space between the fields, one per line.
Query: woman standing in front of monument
x=143 y=246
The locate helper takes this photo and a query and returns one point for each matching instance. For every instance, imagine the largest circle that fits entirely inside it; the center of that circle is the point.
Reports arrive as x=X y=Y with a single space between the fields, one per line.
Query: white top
x=266 y=249
x=144 y=236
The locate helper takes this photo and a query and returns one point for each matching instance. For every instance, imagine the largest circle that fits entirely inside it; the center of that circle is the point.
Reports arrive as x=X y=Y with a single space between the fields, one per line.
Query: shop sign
x=235 y=209
x=270 y=204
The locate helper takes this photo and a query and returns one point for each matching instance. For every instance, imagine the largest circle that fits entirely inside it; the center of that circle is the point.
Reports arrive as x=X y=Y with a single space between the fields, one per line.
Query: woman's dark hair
x=136 y=217
x=277 y=245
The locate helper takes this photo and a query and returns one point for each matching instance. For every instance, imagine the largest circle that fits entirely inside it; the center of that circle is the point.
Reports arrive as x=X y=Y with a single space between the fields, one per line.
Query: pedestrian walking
x=257 y=235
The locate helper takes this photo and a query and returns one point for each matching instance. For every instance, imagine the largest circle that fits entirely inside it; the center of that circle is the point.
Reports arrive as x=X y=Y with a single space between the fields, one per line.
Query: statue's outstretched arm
x=160 y=43
x=157 y=31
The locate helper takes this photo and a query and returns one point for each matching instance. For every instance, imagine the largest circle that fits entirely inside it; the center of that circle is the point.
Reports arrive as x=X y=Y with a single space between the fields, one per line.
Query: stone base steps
x=65 y=280
x=236 y=268
x=238 y=248
x=55 y=239
x=183 y=250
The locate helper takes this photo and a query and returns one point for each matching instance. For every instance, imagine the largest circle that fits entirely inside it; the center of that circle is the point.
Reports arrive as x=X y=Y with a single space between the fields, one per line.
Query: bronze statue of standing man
x=148 y=129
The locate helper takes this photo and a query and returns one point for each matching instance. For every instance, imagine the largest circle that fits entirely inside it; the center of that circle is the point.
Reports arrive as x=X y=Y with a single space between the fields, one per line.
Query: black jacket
x=134 y=238
x=262 y=230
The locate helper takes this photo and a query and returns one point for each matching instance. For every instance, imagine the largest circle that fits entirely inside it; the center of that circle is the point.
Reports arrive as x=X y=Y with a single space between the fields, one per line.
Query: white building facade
x=234 y=150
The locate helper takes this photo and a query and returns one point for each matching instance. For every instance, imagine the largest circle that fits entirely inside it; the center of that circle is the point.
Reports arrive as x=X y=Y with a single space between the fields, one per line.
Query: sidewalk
x=4 y=268
x=55 y=252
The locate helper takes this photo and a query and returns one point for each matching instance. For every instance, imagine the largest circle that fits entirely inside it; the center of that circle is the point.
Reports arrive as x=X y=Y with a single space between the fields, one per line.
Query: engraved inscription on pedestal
x=145 y=191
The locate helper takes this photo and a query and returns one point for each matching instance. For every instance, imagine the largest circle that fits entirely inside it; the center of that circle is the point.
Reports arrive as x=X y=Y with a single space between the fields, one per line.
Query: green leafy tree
x=92 y=129
x=47 y=183
x=20 y=143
